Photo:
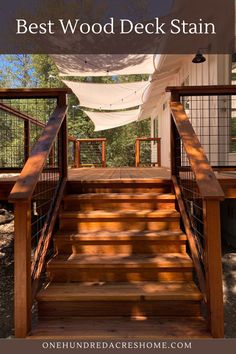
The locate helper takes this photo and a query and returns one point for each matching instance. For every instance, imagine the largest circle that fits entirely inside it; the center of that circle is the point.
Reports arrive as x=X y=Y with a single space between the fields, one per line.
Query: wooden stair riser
x=61 y=274
x=81 y=225
x=90 y=205
x=118 y=308
x=82 y=188
x=118 y=247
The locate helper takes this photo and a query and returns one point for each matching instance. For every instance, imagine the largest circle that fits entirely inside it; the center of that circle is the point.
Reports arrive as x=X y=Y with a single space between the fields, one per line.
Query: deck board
x=121 y=328
x=227 y=179
x=119 y=173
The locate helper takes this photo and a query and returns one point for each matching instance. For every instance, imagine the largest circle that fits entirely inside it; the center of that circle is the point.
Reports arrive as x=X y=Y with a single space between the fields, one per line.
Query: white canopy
x=108 y=96
x=104 y=64
x=168 y=67
x=119 y=96
x=103 y=121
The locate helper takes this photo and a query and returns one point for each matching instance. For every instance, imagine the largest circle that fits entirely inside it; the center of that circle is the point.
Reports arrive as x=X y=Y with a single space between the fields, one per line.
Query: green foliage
x=16 y=71
x=40 y=71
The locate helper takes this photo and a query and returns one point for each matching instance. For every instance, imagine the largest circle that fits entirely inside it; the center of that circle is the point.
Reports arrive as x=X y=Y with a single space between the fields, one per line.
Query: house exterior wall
x=215 y=71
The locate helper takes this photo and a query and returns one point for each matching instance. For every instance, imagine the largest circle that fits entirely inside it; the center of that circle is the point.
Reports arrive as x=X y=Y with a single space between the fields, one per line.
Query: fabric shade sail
x=104 y=64
x=163 y=77
x=108 y=96
x=104 y=121
x=120 y=96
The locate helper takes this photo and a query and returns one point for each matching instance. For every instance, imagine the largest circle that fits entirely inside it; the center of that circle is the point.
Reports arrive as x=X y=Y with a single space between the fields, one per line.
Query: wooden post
x=52 y=156
x=22 y=269
x=159 y=152
x=175 y=146
x=213 y=267
x=63 y=149
x=137 y=153
x=26 y=140
x=76 y=157
x=104 y=153
x=79 y=159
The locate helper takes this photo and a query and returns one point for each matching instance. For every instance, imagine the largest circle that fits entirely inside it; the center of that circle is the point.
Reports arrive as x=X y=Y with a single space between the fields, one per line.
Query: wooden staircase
x=121 y=267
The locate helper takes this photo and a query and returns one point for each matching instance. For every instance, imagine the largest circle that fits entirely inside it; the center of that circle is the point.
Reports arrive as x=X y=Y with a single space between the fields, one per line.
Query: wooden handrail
x=218 y=90
x=91 y=140
x=207 y=182
x=149 y=139
x=26 y=117
x=33 y=92
x=25 y=184
x=15 y=112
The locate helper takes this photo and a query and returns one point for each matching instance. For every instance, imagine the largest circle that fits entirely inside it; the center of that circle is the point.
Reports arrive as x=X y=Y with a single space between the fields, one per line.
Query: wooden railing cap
x=29 y=177
x=206 y=180
x=202 y=90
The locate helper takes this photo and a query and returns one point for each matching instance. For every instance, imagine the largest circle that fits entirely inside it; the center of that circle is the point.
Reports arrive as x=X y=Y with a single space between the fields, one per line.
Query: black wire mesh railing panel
x=11 y=141
x=43 y=203
x=213 y=118
x=71 y=153
x=14 y=145
x=91 y=153
x=192 y=198
x=146 y=154
x=38 y=108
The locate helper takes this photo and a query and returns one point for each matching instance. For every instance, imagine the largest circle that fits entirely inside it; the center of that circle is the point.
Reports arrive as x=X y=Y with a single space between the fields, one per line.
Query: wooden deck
x=120 y=173
x=227 y=179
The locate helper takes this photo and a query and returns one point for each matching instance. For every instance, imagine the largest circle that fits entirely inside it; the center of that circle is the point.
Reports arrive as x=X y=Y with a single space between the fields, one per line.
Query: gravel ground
x=229 y=287
x=7 y=281
x=7 y=294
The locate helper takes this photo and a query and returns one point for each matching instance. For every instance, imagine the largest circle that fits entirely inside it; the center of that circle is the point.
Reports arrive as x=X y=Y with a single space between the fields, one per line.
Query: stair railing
x=28 y=139
x=198 y=195
x=36 y=195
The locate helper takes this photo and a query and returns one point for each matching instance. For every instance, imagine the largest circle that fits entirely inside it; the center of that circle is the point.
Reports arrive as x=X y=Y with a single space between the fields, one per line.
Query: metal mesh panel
x=146 y=153
x=12 y=141
x=214 y=121
x=71 y=153
x=14 y=145
x=43 y=203
x=191 y=197
x=90 y=153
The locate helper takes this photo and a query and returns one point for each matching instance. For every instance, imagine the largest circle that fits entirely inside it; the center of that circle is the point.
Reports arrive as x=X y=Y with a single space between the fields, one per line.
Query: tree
x=17 y=70
x=40 y=71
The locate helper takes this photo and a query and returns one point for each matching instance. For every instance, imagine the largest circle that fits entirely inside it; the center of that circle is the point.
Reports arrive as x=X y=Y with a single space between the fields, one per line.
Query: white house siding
x=215 y=71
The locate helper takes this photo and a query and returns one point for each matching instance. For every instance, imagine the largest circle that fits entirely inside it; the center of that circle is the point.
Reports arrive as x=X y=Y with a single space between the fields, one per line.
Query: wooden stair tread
x=136 y=291
x=131 y=235
x=121 y=214
x=122 y=328
x=120 y=196
x=162 y=260
x=151 y=181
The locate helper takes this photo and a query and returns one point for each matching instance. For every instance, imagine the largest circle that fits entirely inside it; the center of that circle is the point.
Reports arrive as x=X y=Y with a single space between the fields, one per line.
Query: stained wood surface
x=33 y=92
x=207 y=182
x=139 y=291
x=213 y=262
x=139 y=328
x=202 y=90
x=25 y=185
x=122 y=236
x=22 y=270
x=122 y=173
x=172 y=260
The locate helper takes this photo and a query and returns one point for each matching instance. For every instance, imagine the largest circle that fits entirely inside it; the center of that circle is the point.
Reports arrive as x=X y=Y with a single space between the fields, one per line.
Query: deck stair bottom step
x=120 y=299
